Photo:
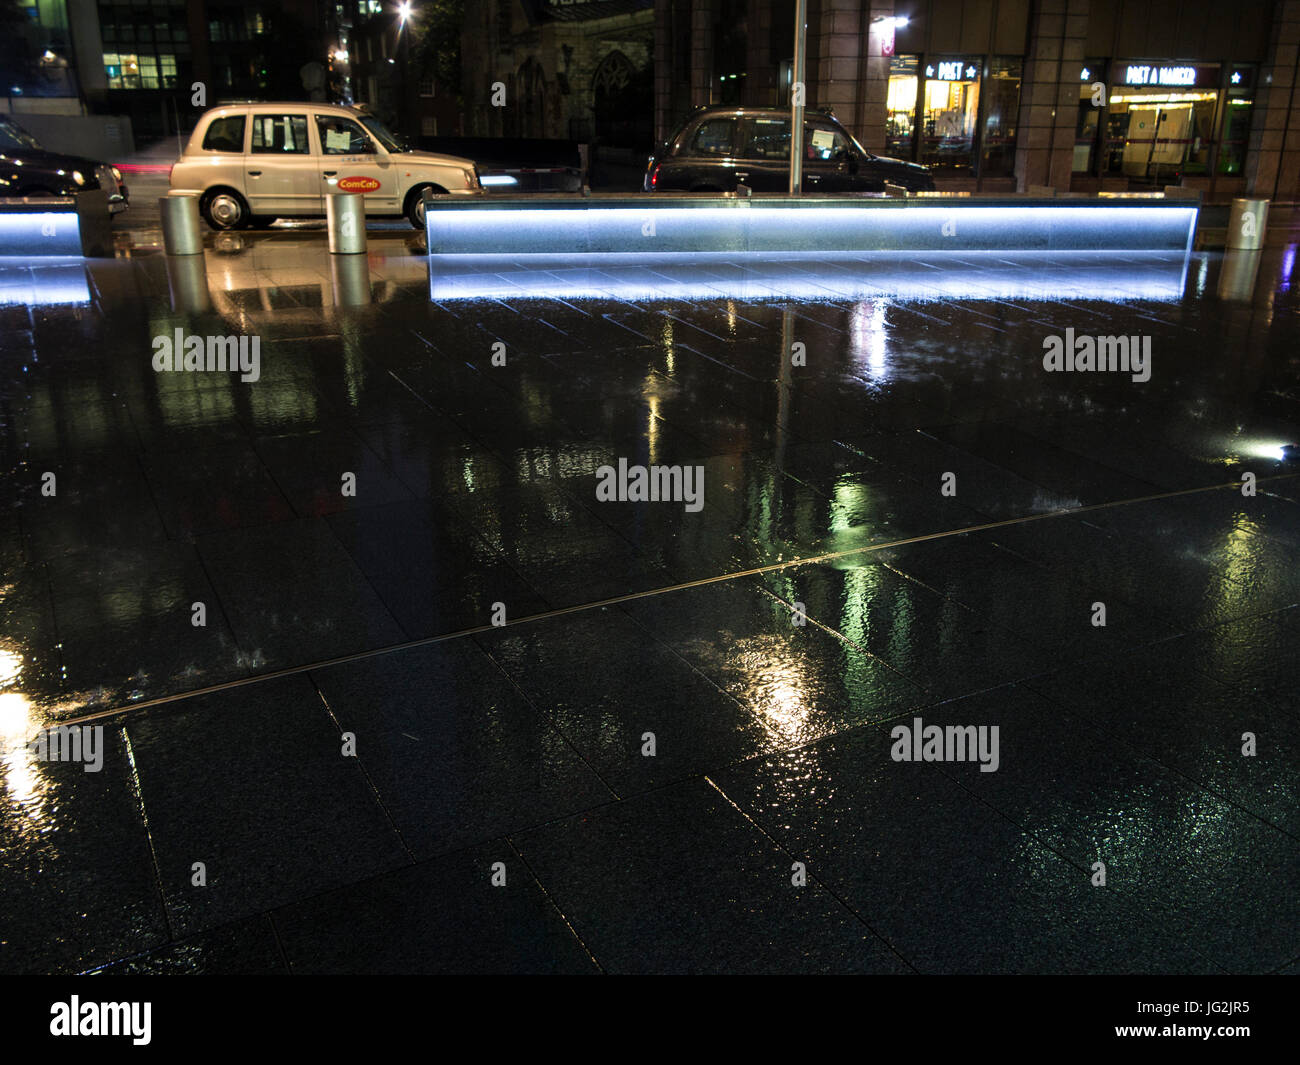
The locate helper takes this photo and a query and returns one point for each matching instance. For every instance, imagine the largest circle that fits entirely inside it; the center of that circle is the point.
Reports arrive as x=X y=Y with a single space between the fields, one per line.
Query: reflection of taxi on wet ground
x=254 y=163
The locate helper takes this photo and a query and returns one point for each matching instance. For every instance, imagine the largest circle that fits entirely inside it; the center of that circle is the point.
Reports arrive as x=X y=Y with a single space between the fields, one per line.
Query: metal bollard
x=1246 y=224
x=1237 y=278
x=187 y=280
x=180 y=224
x=350 y=281
x=345 y=214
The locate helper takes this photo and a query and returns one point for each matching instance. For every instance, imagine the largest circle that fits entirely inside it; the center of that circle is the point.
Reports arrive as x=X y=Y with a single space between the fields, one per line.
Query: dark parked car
x=27 y=169
x=718 y=148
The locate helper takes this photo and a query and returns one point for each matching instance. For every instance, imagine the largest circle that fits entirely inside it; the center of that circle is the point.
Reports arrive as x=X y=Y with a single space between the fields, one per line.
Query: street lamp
x=404 y=15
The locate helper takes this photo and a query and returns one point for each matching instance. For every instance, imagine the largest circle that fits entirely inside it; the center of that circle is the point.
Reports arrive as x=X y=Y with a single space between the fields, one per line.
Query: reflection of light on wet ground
x=868 y=337
x=22 y=776
x=1259 y=449
x=11 y=665
x=773 y=679
x=865 y=276
x=50 y=283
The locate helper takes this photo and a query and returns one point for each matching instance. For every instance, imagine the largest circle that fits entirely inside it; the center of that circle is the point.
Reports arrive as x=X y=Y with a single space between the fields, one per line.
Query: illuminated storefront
x=1159 y=122
x=964 y=108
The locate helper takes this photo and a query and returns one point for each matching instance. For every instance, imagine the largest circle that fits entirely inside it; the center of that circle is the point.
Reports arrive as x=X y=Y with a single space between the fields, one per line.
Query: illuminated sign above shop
x=1146 y=75
x=953 y=70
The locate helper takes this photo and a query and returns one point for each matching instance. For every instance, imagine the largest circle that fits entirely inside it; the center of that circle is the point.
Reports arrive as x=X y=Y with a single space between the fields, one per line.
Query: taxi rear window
x=225 y=135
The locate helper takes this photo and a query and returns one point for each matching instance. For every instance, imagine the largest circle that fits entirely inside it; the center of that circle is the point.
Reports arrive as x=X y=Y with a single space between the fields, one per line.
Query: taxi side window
x=225 y=135
x=769 y=138
x=280 y=135
x=824 y=144
x=716 y=136
x=342 y=136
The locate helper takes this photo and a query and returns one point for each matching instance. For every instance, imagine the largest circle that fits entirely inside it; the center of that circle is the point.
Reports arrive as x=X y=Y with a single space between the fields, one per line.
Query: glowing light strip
x=740 y=227
x=811 y=276
x=30 y=231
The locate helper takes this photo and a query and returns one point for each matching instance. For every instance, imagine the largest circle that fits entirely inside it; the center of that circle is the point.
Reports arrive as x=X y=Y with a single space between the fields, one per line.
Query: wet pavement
x=320 y=752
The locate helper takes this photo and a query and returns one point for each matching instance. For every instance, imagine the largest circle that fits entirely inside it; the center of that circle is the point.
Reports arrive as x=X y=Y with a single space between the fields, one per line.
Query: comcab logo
x=358 y=184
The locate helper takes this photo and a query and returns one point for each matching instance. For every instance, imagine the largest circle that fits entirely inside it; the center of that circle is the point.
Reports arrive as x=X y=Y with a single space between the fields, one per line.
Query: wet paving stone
x=252 y=782
x=77 y=885
x=456 y=754
x=293 y=595
x=1048 y=608
x=182 y=484
x=951 y=885
x=1183 y=851
x=938 y=645
x=245 y=948
x=648 y=770
x=126 y=623
x=620 y=877
x=800 y=682
x=415 y=921
x=1159 y=702
x=647 y=695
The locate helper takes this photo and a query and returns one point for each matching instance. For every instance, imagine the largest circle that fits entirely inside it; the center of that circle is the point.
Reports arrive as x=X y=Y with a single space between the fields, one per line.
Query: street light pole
x=797 y=96
x=404 y=54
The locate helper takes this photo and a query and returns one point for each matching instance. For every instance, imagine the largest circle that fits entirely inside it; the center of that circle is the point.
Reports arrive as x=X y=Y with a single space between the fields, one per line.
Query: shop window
x=1236 y=123
x=1001 y=111
x=1088 y=129
x=950 y=112
x=900 y=125
x=1161 y=122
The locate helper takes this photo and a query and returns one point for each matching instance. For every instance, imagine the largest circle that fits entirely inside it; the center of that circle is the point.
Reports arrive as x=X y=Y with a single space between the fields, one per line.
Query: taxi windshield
x=383 y=134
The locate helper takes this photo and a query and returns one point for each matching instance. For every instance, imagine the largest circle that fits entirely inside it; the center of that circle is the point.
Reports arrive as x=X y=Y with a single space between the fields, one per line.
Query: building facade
x=1082 y=95
x=572 y=69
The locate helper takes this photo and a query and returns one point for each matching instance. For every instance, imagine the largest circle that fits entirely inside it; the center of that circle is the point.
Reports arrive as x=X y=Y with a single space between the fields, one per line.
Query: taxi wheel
x=415 y=204
x=224 y=209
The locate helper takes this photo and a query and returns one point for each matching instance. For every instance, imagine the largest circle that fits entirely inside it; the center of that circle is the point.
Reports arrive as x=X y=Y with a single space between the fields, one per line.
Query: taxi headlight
x=78 y=177
x=117 y=174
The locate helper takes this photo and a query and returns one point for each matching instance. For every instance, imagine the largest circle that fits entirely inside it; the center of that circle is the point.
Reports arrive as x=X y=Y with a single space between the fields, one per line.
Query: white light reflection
x=868 y=338
x=1157 y=276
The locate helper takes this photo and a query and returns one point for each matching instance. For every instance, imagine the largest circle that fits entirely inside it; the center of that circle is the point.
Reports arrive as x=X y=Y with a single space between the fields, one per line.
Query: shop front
x=1147 y=123
x=955 y=114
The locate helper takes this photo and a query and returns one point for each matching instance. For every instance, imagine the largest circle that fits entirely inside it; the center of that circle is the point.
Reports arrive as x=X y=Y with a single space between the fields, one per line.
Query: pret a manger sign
x=1148 y=75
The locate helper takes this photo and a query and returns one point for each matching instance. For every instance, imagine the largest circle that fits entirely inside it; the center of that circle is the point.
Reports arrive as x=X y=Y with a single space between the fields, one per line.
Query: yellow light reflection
x=776 y=683
x=22 y=774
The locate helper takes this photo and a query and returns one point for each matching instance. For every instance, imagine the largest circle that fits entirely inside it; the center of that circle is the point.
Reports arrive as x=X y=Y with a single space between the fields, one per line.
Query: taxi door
x=280 y=171
x=351 y=161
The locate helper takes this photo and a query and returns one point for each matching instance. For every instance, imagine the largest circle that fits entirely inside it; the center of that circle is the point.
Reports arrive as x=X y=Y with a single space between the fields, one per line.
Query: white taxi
x=252 y=163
